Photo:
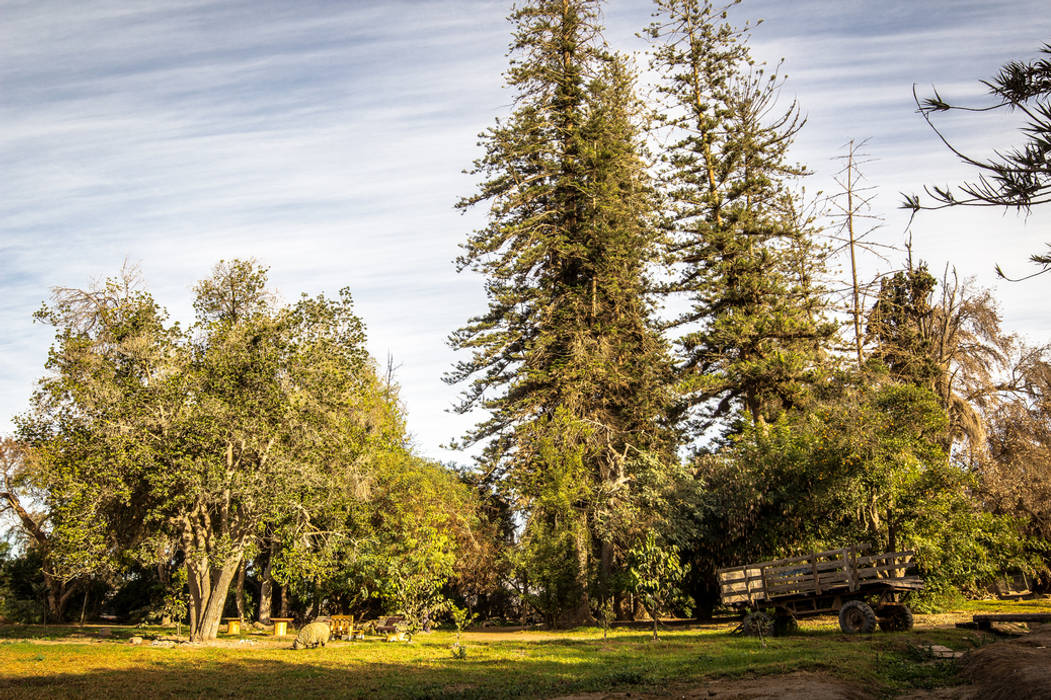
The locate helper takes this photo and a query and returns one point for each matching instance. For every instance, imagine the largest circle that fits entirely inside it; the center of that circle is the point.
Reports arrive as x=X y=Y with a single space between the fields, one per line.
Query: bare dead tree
x=852 y=210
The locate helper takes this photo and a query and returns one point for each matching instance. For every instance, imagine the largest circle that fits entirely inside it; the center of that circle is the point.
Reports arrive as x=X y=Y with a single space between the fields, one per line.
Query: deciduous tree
x=255 y=416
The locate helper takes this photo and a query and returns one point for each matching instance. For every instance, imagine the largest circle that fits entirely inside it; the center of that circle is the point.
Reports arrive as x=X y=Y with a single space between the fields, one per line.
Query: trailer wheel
x=856 y=617
x=895 y=618
x=757 y=624
x=785 y=624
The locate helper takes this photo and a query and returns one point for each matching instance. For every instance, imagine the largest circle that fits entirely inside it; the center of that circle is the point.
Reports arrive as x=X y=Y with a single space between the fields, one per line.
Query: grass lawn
x=498 y=664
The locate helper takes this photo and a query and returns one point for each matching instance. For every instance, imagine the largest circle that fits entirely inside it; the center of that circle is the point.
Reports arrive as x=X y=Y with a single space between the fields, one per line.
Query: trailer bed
x=835 y=573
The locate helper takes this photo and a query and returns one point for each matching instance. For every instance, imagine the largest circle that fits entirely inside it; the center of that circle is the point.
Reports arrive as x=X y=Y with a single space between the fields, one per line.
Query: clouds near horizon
x=327 y=139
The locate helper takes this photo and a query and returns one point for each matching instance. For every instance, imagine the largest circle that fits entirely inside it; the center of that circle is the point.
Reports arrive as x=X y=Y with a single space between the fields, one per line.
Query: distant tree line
x=668 y=381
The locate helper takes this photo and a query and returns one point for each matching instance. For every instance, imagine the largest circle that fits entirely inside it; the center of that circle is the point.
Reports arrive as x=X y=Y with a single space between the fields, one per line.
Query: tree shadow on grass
x=272 y=678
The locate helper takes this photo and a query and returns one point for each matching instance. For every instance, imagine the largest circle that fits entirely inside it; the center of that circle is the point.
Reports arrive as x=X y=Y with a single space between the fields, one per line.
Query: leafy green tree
x=948 y=338
x=1014 y=476
x=865 y=466
x=899 y=325
x=567 y=351
x=394 y=544
x=754 y=332
x=656 y=574
x=68 y=556
x=253 y=417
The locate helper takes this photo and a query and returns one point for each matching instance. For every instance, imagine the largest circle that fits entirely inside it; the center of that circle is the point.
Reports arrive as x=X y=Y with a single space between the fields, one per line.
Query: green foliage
x=259 y=418
x=898 y=326
x=462 y=619
x=864 y=467
x=754 y=335
x=394 y=544
x=656 y=574
x=566 y=360
x=20 y=578
x=173 y=605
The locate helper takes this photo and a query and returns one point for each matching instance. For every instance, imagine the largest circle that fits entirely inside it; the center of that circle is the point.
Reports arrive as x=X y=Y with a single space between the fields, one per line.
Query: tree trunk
x=266 y=587
x=213 y=611
x=57 y=596
x=84 y=605
x=200 y=584
x=240 y=596
x=209 y=588
x=605 y=565
x=638 y=610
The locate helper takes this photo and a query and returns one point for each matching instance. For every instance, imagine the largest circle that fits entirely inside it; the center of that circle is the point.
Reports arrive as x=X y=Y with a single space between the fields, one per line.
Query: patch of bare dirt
x=802 y=685
x=1014 y=669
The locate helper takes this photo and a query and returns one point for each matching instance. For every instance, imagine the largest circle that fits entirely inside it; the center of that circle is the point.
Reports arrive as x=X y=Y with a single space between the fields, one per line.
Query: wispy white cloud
x=327 y=139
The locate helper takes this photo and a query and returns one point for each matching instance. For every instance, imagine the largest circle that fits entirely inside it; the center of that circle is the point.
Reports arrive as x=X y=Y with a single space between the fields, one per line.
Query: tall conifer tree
x=566 y=359
x=754 y=331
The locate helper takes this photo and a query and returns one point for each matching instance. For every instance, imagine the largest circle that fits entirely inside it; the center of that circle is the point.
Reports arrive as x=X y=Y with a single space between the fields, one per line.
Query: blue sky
x=328 y=140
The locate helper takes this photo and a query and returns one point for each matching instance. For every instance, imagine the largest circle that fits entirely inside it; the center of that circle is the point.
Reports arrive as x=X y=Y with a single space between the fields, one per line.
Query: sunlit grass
x=498 y=664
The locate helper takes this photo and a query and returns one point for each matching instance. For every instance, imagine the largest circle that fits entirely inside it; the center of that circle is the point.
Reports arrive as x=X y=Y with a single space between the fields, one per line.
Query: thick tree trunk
x=582 y=614
x=200 y=584
x=209 y=588
x=58 y=595
x=213 y=611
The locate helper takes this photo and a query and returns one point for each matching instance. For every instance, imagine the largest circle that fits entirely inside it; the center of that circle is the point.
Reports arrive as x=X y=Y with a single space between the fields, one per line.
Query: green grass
x=498 y=664
x=1038 y=605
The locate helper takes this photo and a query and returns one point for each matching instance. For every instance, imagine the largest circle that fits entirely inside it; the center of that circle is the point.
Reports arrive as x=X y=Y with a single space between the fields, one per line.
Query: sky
x=328 y=140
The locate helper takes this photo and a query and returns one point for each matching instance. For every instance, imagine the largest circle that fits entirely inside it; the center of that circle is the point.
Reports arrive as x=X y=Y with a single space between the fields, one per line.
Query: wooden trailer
x=838 y=581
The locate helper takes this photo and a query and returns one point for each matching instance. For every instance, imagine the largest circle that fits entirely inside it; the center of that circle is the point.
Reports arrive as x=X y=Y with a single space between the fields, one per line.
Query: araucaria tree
x=195 y=441
x=566 y=359
x=754 y=332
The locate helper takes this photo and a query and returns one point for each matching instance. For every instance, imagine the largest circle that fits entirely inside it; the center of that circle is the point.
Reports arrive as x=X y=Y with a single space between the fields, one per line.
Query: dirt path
x=1011 y=669
x=793 y=686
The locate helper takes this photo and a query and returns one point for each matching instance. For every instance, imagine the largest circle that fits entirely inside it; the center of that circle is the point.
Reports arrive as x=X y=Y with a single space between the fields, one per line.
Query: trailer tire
x=757 y=624
x=857 y=617
x=895 y=618
x=785 y=624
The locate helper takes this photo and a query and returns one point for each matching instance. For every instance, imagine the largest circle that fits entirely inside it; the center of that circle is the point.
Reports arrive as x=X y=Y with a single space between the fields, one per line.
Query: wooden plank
x=820 y=565
x=816 y=574
x=806 y=587
x=1012 y=617
x=793 y=560
x=853 y=568
x=909 y=582
x=808 y=576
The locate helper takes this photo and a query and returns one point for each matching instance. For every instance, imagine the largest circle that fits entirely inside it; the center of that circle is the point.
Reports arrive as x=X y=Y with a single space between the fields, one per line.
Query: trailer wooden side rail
x=827 y=582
